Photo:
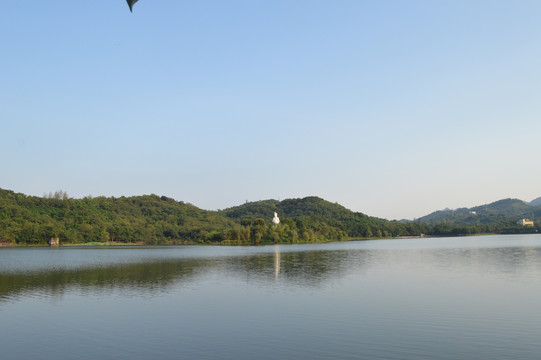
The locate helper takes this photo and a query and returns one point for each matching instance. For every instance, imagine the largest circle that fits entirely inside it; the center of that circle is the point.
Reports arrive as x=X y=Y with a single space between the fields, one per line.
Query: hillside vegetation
x=314 y=210
x=494 y=217
x=149 y=219
x=152 y=219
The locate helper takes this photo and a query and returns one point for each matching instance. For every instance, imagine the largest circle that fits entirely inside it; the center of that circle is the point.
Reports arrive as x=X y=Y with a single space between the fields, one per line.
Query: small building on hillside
x=525 y=222
x=54 y=242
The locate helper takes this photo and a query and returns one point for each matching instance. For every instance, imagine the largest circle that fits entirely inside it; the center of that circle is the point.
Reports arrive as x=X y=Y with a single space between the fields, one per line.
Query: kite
x=130 y=3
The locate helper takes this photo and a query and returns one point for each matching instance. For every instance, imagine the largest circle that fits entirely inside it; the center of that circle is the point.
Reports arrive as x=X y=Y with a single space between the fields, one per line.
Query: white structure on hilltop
x=275 y=219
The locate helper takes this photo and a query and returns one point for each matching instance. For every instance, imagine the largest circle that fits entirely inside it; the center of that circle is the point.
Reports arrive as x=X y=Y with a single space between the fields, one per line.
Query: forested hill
x=498 y=211
x=150 y=219
x=316 y=209
x=292 y=208
x=153 y=219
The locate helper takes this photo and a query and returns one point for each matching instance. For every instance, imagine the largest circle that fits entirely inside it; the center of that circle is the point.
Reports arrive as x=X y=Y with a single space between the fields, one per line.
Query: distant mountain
x=506 y=209
x=536 y=202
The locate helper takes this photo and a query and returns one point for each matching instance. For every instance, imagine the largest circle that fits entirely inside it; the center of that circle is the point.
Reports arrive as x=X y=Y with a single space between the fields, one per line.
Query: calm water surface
x=446 y=298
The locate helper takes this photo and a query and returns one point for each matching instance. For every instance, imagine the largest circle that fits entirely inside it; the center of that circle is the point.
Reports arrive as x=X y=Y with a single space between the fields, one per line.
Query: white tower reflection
x=276 y=261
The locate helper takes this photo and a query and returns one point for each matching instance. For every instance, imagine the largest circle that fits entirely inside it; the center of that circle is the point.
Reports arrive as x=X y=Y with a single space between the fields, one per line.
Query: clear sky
x=391 y=108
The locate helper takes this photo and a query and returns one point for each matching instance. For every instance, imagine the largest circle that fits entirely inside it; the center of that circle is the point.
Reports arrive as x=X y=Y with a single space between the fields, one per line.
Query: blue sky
x=391 y=108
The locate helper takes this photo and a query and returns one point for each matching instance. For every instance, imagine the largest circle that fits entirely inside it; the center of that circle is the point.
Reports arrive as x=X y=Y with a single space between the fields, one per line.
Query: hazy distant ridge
x=536 y=202
x=484 y=214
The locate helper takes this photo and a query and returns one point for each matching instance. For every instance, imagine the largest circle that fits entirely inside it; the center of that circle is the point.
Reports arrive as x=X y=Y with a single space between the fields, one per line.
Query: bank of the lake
x=234 y=243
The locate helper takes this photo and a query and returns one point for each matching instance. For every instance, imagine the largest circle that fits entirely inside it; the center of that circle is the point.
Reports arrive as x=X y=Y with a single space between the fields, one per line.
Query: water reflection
x=279 y=265
x=277 y=261
x=307 y=268
x=304 y=268
x=142 y=278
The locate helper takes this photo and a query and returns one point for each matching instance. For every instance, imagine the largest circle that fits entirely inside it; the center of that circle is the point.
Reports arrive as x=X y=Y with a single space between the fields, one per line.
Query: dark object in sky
x=130 y=3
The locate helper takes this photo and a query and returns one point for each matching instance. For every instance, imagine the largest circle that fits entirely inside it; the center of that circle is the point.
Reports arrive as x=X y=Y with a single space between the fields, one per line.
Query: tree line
x=159 y=220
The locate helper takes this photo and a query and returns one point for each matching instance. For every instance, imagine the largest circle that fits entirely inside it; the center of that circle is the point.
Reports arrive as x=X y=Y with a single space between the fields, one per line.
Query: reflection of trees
x=142 y=277
x=305 y=268
x=309 y=268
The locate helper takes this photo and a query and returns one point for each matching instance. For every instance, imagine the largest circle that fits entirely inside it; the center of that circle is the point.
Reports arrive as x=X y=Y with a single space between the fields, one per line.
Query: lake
x=430 y=298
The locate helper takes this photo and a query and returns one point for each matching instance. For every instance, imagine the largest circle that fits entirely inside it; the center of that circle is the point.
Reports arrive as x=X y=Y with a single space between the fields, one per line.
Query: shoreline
x=141 y=243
